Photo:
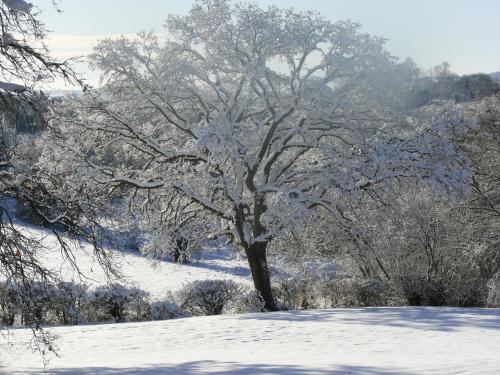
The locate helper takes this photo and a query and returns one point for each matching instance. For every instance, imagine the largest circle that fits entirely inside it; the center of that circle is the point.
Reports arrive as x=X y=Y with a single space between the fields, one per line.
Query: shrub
x=207 y=297
x=338 y=292
x=296 y=293
x=467 y=292
x=8 y=303
x=41 y=304
x=371 y=292
x=166 y=309
x=353 y=292
x=462 y=290
x=419 y=290
x=248 y=301
x=117 y=302
x=69 y=303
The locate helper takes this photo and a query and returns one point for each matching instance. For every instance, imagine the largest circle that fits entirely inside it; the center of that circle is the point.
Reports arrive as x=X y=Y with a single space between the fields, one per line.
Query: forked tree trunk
x=256 y=254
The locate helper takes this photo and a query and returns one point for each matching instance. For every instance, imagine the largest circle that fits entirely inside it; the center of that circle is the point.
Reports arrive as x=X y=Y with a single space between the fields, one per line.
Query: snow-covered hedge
x=462 y=290
x=47 y=303
x=215 y=297
x=304 y=293
x=117 y=302
x=72 y=303
x=166 y=309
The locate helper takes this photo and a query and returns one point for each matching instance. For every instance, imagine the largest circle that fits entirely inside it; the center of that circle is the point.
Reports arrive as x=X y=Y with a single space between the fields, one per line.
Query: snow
x=156 y=277
x=345 y=341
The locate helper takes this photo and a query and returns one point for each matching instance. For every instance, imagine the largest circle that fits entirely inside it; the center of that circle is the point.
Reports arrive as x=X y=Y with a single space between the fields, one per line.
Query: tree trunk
x=256 y=254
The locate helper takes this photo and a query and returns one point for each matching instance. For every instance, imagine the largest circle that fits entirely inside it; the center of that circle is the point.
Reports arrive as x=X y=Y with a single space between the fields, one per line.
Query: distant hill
x=63 y=93
x=495 y=76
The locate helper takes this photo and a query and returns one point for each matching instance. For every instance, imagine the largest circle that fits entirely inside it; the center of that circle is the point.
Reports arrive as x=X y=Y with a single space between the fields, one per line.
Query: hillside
x=343 y=341
x=495 y=76
x=156 y=277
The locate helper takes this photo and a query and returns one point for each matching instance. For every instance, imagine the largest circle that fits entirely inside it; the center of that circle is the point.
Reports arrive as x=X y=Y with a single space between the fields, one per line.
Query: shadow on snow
x=424 y=318
x=211 y=367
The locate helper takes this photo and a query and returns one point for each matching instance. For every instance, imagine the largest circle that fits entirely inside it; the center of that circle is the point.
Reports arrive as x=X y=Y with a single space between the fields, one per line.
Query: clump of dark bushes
x=303 y=293
x=72 y=303
x=215 y=297
x=306 y=292
x=420 y=290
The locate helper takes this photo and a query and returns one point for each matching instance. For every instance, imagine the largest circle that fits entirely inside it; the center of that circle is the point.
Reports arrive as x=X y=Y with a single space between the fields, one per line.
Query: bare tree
x=25 y=65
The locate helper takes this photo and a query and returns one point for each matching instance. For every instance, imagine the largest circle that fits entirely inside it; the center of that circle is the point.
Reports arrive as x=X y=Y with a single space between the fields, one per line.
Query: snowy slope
x=343 y=341
x=155 y=277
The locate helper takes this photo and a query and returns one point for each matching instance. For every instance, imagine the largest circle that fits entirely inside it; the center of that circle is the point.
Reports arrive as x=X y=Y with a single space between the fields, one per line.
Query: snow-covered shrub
x=352 y=292
x=49 y=304
x=248 y=301
x=370 y=292
x=8 y=303
x=296 y=293
x=42 y=304
x=172 y=244
x=166 y=309
x=420 y=290
x=466 y=292
x=207 y=297
x=137 y=308
x=338 y=292
x=69 y=303
x=117 y=302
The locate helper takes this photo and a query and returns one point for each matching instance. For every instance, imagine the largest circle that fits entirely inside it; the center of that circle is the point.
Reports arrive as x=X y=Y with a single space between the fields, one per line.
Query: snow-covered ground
x=343 y=341
x=156 y=277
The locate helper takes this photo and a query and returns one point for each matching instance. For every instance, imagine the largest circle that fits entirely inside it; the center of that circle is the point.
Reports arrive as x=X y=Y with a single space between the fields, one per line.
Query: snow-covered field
x=343 y=341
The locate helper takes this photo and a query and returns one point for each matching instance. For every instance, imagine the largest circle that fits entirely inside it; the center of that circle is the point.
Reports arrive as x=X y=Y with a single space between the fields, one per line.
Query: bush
x=419 y=290
x=462 y=290
x=467 y=292
x=68 y=303
x=47 y=303
x=166 y=309
x=249 y=301
x=371 y=292
x=117 y=302
x=353 y=292
x=8 y=303
x=71 y=303
x=338 y=292
x=41 y=304
x=207 y=297
x=296 y=293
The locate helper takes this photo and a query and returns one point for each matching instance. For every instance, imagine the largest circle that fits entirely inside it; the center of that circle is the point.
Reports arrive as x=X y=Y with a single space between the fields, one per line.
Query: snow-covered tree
x=24 y=66
x=246 y=120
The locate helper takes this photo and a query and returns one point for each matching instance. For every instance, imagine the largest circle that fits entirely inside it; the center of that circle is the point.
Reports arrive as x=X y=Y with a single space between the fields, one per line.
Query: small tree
x=246 y=120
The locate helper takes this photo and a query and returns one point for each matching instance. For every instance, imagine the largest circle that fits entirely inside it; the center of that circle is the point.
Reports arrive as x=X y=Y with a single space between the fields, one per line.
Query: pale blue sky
x=465 y=33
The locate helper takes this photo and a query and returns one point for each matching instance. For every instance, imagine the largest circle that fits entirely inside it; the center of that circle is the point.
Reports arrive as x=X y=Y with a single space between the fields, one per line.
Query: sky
x=466 y=33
